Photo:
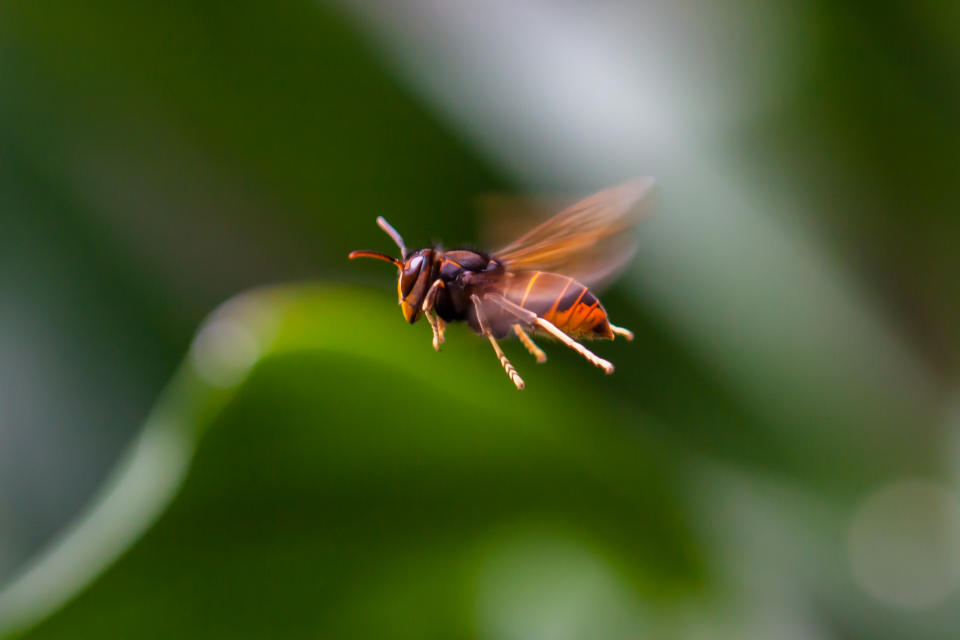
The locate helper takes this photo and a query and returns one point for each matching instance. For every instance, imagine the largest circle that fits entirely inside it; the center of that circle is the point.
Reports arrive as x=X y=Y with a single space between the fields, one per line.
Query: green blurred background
x=213 y=425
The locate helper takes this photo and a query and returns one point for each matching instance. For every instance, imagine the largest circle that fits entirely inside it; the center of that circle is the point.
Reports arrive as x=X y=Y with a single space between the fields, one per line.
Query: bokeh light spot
x=223 y=352
x=904 y=544
x=545 y=586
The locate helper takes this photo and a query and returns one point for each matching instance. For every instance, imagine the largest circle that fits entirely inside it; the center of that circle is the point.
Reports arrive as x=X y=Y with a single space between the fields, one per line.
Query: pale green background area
x=307 y=466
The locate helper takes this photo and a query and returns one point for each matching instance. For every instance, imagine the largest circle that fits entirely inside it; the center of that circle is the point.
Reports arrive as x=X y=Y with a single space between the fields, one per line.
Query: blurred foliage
x=157 y=159
x=312 y=510
x=133 y=163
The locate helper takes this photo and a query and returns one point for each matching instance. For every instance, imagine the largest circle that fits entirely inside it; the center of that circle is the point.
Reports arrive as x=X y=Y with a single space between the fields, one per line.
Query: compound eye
x=409 y=276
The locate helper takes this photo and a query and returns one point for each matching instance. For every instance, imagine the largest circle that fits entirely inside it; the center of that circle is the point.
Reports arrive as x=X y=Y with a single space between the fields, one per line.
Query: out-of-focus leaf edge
x=148 y=475
x=245 y=330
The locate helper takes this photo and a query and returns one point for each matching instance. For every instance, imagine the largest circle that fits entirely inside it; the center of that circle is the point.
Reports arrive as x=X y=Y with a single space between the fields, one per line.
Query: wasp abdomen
x=562 y=301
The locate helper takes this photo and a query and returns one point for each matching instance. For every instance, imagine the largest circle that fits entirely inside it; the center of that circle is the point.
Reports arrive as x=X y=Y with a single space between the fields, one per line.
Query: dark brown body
x=561 y=300
x=520 y=288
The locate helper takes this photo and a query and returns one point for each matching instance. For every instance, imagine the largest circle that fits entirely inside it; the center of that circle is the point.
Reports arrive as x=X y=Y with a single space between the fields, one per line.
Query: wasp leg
x=441 y=327
x=435 y=327
x=436 y=324
x=533 y=319
x=528 y=318
x=531 y=346
x=511 y=372
x=620 y=331
x=504 y=362
x=591 y=357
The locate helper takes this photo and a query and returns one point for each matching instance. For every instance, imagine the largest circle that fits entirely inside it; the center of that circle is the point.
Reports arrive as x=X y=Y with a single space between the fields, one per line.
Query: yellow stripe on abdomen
x=561 y=300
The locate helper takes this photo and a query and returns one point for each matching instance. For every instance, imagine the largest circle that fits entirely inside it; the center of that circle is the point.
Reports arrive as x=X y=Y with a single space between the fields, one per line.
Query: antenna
x=382 y=222
x=376 y=255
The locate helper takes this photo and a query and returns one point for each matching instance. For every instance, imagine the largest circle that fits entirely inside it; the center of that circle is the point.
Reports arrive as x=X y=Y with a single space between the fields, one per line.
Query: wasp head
x=414 y=282
x=415 y=270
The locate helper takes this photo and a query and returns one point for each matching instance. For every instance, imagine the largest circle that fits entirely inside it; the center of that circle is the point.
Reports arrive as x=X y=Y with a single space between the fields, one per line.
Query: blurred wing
x=589 y=241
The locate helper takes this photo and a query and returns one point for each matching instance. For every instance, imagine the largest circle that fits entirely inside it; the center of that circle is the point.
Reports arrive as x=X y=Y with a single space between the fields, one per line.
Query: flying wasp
x=538 y=284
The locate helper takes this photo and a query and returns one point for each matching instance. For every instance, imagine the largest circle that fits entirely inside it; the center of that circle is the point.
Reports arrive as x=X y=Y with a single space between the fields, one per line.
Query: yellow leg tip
x=620 y=331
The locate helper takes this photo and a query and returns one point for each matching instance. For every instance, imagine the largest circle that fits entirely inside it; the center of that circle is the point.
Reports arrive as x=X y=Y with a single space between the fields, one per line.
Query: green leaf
x=345 y=480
